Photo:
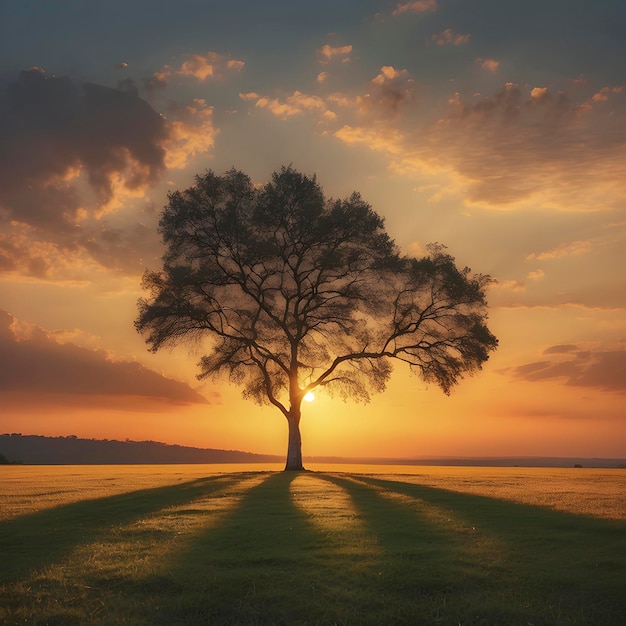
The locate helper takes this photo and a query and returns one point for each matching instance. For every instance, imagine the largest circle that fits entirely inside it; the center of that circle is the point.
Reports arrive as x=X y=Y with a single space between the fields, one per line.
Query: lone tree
x=296 y=291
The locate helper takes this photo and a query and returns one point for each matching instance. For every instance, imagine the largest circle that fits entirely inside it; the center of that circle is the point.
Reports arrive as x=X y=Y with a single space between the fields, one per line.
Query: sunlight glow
x=309 y=396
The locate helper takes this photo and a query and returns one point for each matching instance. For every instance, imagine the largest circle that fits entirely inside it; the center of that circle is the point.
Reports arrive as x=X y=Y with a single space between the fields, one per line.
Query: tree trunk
x=294 y=449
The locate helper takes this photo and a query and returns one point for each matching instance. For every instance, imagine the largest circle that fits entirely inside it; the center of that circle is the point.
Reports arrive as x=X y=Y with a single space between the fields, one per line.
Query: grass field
x=179 y=545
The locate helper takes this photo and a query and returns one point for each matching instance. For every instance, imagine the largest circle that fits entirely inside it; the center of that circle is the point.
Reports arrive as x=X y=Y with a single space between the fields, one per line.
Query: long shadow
x=423 y=556
x=243 y=571
x=426 y=574
x=268 y=564
x=42 y=538
x=560 y=566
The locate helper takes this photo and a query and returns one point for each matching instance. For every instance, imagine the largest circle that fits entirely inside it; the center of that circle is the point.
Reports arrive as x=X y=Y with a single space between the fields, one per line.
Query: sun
x=309 y=396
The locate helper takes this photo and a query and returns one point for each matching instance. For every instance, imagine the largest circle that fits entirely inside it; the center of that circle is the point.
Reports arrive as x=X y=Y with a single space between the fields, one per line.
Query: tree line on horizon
x=72 y=450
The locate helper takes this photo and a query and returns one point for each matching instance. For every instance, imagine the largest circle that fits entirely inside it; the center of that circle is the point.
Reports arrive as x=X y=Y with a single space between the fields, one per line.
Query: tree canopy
x=295 y=291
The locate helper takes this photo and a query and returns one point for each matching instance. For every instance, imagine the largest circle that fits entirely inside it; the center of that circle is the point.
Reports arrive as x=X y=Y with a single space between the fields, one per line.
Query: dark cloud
x=128 y=85
x=605 y=370
x=39 y=365
x=390 y=91
x=561 y=349
x=58 y=138
x=156 y=82
x=51 y=127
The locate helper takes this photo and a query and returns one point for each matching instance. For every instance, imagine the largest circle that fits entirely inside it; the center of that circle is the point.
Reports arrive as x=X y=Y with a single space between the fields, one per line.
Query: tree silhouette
x=295 y=291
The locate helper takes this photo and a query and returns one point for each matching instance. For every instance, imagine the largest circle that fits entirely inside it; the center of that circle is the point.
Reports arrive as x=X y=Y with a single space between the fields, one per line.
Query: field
x=208 y=545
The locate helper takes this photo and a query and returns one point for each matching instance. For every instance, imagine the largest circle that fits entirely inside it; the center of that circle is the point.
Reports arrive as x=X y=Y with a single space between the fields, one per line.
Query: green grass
x=311 y=548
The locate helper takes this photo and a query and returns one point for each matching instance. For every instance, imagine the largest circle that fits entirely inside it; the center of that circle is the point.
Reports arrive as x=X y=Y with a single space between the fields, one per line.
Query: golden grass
x=143 y=547
x=216 y=544
x=586 y=491
x=333 y=513
x=29 y=488
x=593 y=492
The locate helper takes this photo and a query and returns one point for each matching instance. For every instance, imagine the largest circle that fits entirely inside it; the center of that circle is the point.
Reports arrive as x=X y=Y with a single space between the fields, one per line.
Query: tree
x=295 y=291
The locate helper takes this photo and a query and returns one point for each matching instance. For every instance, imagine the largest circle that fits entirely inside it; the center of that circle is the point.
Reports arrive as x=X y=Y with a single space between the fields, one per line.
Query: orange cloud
x=602 y=370
x=536 y=275
x=65 y=368
x=571 y=249
x=417 y=6
x=386 y=140
x=539 y=93
x=24 y=253
x=449 y=37
x=503 y=149
x=604 y=93
x=191 y=133
x=293 y=105
x=488 y=64
x=327 y=53
x=210 y=66
x=512 y=285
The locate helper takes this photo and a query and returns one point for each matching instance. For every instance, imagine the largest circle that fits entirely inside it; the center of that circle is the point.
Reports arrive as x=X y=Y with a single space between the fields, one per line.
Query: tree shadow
x=42 y=538
x=264 y=565
x=387 y=552
x=559 y=566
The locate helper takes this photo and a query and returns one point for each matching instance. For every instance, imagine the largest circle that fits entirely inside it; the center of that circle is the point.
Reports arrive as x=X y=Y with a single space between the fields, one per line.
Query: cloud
x=603 y=370
x=536 y=275
x=295 y=104
x=576 y=248
x=450 y=38
x=390 y=89
x=191 y=132
x=54 y=130
x=510 y=147
x=417 y=6
x=488 y=64
x=212 y=65
x=385 y=97
x=512 y=285
x=605 y=93
x=158 y=80
x=35 y=363
x=388 y=140
x=561 y=349
x=327 y=53
x=71 y=156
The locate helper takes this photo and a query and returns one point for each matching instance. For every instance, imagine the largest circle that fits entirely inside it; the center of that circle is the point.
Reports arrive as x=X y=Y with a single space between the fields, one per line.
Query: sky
x=495 y=127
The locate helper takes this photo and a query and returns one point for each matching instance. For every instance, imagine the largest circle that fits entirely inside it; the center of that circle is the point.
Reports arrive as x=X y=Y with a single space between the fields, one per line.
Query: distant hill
x=70 y=450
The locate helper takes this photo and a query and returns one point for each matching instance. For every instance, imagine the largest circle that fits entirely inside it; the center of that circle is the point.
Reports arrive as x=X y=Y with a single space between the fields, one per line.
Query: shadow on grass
x=499 y=561
x=266 y=564
x=399 y=553
x=39 y=539
x=427 y=556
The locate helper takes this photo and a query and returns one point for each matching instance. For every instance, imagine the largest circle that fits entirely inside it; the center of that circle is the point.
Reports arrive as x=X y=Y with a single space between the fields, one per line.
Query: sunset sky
x=495 y=127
